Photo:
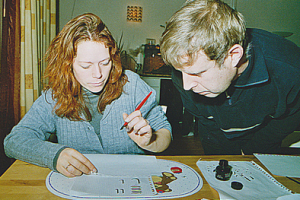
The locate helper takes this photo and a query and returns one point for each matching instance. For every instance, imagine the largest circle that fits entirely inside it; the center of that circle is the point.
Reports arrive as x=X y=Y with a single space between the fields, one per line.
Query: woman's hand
x=138 y=128
x=71 y=163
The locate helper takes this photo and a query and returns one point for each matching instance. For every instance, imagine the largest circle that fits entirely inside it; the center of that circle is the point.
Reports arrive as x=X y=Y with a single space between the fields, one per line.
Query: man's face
x=205 y=77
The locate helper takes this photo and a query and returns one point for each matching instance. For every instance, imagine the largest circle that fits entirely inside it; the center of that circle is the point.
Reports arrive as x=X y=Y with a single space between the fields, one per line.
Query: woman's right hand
x=71 y=163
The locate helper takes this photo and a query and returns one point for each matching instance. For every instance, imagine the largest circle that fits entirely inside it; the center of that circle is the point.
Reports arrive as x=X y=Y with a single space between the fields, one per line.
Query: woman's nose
x=96 y=72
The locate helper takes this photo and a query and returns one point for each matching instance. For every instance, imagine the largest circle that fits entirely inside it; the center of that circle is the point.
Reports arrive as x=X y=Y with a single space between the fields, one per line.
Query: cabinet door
x=153 y=82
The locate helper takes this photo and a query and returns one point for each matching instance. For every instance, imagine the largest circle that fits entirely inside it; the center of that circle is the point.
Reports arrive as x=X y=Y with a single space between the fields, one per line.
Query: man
x=241 y=84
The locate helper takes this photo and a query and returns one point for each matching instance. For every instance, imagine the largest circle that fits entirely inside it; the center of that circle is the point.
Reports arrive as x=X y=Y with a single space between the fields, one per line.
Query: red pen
x=139 y=107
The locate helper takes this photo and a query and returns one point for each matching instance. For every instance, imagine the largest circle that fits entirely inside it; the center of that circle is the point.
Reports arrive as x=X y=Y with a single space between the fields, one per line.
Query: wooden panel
x=9 y=75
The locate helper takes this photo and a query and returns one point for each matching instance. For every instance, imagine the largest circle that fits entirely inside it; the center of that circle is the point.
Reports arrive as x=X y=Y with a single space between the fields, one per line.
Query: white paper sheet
x=257 y=183
x=124 y=165
x=281 y=165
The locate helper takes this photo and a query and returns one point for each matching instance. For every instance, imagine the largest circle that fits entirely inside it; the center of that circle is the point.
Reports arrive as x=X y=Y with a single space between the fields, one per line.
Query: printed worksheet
x=118 y=175
x=128 y=177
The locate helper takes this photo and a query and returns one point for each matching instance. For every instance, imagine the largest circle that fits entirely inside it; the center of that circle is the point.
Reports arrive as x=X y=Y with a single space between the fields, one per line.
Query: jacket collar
x=256 y=71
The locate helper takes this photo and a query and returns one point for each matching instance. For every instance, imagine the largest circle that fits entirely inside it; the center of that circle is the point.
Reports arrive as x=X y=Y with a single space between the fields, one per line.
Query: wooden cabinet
x=153 y=62
x=9 y=74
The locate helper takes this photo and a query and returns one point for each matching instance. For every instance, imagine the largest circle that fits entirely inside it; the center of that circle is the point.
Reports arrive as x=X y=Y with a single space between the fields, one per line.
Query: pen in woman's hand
x=139 y=107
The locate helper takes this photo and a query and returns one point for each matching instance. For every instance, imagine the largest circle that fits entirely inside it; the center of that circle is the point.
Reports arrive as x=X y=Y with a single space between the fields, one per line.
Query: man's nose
x=188 y=81
x=96 y=72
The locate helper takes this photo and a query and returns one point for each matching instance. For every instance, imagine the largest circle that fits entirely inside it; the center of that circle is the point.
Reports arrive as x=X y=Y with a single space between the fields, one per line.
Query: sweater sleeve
x=150 y=110
x=28 y=139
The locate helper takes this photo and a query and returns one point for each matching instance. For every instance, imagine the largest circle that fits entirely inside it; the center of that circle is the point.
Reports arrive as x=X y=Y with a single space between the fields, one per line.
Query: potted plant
x=127 y=60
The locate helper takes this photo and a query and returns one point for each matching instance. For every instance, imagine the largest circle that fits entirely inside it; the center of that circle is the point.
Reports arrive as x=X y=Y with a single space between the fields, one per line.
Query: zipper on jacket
x=228 y=97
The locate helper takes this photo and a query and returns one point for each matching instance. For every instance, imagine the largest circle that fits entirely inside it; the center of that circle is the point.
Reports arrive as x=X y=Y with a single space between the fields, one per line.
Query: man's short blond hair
x=208 y=25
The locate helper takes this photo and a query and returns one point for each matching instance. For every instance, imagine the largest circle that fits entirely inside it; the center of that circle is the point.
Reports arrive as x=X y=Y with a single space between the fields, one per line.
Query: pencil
x=139 y=107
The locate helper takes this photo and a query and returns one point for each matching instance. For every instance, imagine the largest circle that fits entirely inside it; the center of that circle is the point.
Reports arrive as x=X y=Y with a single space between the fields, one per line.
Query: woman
x=85 y=102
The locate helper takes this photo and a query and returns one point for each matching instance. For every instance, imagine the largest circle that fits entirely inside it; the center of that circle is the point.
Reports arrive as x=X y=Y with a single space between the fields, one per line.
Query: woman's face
x=92 y=65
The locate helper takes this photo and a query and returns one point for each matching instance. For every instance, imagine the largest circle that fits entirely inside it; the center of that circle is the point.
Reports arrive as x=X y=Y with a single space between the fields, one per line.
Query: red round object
x=176 y=170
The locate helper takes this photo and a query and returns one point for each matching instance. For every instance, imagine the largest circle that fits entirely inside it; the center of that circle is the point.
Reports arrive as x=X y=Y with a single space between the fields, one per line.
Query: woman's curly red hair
x=59 y=77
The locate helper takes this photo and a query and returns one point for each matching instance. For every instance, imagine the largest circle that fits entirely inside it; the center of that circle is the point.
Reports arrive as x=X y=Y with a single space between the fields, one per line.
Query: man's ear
x=235 y=53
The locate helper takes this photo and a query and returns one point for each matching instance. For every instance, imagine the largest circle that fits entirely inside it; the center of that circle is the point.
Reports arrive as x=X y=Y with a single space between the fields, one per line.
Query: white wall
x=271 y=15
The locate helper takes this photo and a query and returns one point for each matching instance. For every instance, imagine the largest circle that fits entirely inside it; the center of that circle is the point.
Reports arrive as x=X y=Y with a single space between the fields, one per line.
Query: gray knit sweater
x=27 y=140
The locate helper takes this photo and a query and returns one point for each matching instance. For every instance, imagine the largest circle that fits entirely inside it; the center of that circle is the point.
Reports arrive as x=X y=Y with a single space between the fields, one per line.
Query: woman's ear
x=235 y=53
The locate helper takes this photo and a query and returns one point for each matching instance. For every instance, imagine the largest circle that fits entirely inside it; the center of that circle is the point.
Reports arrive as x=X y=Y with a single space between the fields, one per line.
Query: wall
x=271 y=15
x=113 y=13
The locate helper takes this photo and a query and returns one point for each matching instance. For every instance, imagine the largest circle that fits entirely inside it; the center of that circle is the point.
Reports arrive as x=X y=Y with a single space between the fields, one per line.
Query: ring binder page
x=257 y=183
x=281 y=165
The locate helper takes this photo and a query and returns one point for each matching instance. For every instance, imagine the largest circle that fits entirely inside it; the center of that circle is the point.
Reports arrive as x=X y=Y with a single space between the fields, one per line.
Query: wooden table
x=26 y=181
